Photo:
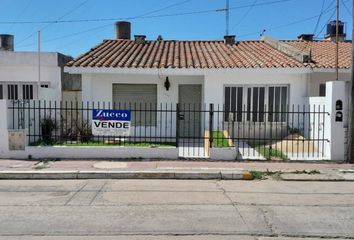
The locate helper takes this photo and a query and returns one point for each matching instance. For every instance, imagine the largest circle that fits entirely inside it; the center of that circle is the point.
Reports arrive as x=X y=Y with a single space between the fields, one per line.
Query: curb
x=202 y=175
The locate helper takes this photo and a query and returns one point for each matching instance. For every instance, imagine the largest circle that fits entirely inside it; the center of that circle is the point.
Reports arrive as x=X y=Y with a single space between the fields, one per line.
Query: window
x=44 y=86
x=277 y=104
x=1 y=92
x=27 y=91
x=255 y=104
x=12 y=91
x=322 y=90
x=255 y=100
x=140 y=98
x=233 y=104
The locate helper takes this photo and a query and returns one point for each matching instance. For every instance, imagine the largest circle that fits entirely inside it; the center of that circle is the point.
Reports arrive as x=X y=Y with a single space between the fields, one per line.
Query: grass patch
x=219 y=140
x=104 y=144
x=262 y=175
x=122 y=144
x=271 y=154
x=311 y=172
x=276 y=175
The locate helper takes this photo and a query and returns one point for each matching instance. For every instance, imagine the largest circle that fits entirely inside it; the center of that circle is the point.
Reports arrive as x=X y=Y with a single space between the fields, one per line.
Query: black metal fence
x=294 y=132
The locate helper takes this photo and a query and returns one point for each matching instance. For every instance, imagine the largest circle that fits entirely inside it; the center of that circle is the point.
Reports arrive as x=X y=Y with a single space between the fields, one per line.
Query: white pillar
x=334 y=127
x=4 y=134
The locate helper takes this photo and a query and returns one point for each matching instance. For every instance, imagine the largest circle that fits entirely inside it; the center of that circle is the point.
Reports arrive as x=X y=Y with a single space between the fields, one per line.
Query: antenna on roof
x=227 y=11
x=262 y=33
x=337 y=39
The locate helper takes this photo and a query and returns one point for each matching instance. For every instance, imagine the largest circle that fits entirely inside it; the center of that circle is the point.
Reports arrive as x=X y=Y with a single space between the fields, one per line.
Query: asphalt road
x=175 y=209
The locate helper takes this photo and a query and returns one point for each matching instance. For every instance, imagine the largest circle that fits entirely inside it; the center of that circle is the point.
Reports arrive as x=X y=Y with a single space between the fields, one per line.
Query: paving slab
x=34 y=198
x=132 y=237
x=120 y=220
x=39 y=185
x=161 y=185
x=294 y=199
x=131 y=198
x=311 y=177
x=312 y=221
x=287 y=187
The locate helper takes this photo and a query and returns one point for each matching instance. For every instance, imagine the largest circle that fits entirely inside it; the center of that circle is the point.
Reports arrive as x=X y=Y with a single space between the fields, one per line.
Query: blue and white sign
x=110 y=122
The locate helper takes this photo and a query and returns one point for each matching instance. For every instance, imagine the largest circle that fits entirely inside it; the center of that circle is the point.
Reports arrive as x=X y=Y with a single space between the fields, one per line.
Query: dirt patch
x=294 y=143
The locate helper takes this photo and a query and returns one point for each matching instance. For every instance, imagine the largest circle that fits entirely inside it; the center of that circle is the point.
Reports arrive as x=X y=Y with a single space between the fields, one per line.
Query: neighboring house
x=19 y=74
x=230 y=72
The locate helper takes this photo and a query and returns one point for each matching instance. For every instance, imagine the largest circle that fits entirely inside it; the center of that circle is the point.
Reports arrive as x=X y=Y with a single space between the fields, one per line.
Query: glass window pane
x=261 y=104
x=227 y=103
x=255 y=104
x=270 y=103
x=233 y=100
x=239 y=103
x=277 y=104
x=322 y=90
x=249 y=97
x=284 y=102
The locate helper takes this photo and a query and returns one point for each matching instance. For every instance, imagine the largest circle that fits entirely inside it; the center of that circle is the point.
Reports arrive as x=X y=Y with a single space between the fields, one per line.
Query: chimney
x=123 y=30
x=331 y=31
x=6 y=42
x=306 y=37
x=139 y=39
x=230 y=39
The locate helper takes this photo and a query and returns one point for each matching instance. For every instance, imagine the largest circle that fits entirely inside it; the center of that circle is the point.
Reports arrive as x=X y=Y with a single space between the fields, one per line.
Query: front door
x=190 y=97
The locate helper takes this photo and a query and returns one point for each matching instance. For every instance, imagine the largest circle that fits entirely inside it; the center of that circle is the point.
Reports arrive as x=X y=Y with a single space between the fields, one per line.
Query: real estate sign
x=110 y=122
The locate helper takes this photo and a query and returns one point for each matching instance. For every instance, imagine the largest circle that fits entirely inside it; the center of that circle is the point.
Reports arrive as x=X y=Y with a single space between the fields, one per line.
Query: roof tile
x=208 y=54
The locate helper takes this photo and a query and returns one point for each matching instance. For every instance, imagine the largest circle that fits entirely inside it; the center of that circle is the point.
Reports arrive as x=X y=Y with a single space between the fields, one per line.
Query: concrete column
x=4 y=134
x=334 y=127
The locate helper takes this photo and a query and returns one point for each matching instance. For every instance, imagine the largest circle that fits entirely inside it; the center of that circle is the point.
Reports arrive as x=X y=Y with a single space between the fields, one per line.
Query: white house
x=254 y=83
x=25 y=75
x=220 y=99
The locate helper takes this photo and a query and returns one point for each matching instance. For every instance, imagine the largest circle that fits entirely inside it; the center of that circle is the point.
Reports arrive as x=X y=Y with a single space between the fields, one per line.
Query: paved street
x=175 y=209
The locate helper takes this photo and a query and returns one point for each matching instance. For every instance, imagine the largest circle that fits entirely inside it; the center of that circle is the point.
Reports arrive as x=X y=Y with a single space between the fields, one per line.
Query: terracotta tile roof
x=323 y=53
x=205 y=54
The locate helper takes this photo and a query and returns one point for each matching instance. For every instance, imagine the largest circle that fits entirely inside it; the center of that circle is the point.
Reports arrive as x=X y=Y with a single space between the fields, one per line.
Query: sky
x=74 y=26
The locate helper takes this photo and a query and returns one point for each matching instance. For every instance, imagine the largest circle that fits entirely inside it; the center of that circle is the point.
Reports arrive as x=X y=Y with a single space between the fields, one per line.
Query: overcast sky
x=173 y=19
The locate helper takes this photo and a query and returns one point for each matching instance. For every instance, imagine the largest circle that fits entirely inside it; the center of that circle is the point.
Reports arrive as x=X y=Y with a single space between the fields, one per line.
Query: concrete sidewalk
x=177 y=169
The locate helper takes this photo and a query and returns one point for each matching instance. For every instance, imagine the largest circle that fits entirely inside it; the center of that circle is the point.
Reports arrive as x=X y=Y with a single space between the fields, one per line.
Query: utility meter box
x=17 y=139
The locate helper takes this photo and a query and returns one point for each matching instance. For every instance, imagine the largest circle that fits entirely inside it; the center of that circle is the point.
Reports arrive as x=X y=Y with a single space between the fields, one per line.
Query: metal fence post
x=211 y=125
x=177 y=123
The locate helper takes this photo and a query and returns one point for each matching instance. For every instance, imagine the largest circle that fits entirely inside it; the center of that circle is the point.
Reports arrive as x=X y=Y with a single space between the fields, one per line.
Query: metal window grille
x=27 y=91
x=12 y=91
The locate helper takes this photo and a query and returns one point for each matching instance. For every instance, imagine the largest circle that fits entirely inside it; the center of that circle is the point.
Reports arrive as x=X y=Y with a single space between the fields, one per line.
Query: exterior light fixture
x=167 y=84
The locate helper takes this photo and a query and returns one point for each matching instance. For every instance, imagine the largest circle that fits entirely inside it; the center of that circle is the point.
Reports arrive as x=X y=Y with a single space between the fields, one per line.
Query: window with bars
x=12 y=91
x=322 y=90
x=259 y=101
x=27 y=91
x=277 y=104
x=255 y=104
x=233 y=104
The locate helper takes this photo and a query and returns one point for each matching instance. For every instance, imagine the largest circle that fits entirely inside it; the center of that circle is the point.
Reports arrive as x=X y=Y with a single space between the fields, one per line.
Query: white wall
x=214 y=84
x=98 y=87
x=317 y=78
x=22 y=67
